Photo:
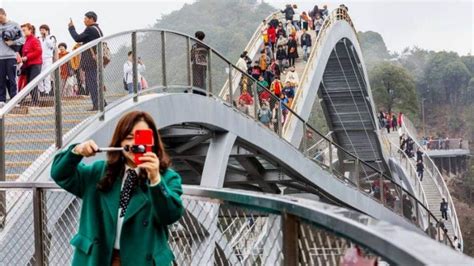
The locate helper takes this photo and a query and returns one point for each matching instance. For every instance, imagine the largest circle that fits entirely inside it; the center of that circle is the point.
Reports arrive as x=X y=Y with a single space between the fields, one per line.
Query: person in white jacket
x=48 y=44
x=292 y=77
x=242 y=64
x=128 y=72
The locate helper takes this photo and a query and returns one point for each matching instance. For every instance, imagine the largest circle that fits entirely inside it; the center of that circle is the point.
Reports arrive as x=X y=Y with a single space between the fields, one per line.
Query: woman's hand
x=86 y=149
x=151 y=164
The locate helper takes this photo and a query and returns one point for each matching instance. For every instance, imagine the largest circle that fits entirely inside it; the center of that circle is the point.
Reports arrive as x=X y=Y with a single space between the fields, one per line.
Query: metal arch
x=256 y=135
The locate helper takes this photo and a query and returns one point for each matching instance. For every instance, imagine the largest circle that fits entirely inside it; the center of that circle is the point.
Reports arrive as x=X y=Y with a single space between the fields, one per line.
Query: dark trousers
x=291 y=61
x=91 y=84
x=7 y=79
x=444 y=215
x=199 y=78
x=31 y=73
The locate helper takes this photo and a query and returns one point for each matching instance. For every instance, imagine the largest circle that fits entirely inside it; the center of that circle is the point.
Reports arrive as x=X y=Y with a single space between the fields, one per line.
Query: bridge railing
x=336 y=15
x=278 y=231
x=432 y=171
x=408 y=165
x=31 y=134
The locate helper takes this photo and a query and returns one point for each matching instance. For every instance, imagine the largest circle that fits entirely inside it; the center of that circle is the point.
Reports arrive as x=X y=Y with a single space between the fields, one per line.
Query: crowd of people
x=275 y=66
x=442 y=143
x=24 y=55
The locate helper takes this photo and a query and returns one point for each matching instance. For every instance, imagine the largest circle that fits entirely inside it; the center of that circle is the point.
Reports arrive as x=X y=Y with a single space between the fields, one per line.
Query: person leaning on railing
x=125 y=208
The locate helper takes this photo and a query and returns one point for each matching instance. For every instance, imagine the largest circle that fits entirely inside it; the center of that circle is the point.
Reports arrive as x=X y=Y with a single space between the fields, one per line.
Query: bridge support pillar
x=215 y=166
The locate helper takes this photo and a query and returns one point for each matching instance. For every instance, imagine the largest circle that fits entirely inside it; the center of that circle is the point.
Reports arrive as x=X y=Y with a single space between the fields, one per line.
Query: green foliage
x=373 y=48
x=447 y=77
x=468 y=60
x=228 y=24
x=386 y=77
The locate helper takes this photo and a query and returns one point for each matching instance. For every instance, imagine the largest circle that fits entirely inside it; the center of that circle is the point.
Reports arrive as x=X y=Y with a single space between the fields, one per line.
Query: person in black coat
x=443 y=207
x=289 y=13
x=88 y=57
x=281 y=56
x=292 y=51
x=420 y=169
x=419 y=155
x=306 y=44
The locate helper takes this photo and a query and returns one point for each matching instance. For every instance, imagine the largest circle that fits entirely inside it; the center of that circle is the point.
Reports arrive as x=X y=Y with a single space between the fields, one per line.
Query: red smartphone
x=143 y=137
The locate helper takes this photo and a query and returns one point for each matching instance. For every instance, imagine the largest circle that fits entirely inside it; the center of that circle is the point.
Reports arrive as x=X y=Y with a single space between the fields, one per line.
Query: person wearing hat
x=88 y=58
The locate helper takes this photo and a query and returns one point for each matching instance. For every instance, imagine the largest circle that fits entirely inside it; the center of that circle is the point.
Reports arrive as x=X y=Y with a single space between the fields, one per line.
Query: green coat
x=144 y=239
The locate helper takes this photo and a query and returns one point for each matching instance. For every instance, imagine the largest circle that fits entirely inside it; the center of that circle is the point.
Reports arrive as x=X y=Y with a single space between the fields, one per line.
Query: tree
x=373 y=48
x=455 y=80
x=447 y=77
x=393 y=88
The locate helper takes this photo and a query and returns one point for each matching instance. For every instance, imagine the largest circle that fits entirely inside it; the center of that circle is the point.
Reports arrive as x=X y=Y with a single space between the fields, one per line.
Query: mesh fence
x=210 y=232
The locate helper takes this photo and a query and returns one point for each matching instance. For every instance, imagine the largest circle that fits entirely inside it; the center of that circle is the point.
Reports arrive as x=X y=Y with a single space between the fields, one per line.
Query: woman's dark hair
x=63 y=45
x=129 y=53
x=200 y=35
x=29 y=27
x=116 y=160
x=46 y=27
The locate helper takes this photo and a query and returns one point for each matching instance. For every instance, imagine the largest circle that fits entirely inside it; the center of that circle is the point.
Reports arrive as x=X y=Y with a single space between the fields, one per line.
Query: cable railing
x=433 y=172
x=156 y=46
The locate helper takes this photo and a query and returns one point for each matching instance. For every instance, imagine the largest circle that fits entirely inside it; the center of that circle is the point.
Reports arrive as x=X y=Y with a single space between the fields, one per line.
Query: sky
x=434 y=25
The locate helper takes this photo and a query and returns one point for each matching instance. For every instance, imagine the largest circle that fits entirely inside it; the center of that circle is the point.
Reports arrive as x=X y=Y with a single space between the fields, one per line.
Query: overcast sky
x=434 y=25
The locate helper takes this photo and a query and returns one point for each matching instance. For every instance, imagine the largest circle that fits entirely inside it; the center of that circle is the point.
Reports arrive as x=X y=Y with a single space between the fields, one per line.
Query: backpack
x=106 y=54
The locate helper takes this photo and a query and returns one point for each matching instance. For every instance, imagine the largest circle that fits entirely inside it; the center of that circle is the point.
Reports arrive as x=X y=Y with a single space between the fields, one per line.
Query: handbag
x=144 y=83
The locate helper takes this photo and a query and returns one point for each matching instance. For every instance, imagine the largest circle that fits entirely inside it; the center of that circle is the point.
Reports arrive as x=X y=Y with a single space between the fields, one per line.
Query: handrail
x=412 y=170
x=256 y=38
x=59 y=63
x=439 y=181
x=380 y=237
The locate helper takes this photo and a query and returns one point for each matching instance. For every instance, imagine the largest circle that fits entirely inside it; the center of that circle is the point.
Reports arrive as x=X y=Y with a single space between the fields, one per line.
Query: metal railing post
x=38 y=226
x=231 y=94
x=209 y=73
x=305 y=139
x=188 y=63
x=357 y=172
x=163 y=60
x=100 y=78
x=279 y=118
x=58 y=117
x=255 y=101
x=3 y=213
x=331 y=170
x=134 y=66
x=290 y=230
x=382 y=188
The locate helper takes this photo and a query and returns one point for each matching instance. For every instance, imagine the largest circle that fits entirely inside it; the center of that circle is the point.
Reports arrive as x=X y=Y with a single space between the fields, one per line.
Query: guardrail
x=290 y=231
x=178 y=70
x=396 y=153
x=433 y=172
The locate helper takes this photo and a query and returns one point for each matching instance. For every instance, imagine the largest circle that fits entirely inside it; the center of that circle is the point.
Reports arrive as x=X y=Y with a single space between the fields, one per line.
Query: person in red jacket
x=272 y=37
x=31 y=56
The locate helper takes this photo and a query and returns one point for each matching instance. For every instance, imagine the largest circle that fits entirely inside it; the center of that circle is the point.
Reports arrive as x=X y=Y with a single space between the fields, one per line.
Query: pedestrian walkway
x=431 y=191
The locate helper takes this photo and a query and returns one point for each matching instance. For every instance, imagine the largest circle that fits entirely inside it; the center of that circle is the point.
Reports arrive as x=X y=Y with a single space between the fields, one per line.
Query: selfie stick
x=126 y=148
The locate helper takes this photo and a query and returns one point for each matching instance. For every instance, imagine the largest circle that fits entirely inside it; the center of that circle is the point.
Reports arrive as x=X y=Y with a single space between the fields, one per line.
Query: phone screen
x=143 y=137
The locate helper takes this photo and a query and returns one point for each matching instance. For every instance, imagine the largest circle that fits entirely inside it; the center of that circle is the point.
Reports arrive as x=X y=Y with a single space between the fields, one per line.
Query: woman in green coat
x=125 y=208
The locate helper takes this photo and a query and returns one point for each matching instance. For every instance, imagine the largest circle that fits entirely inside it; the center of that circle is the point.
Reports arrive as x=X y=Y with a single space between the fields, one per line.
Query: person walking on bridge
x=292 y=50
x=88 y=57
x=420 y=169
x=306 y=44
x=48 y=44
x=12 y=39
x=199 y=60
x=443 y=207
